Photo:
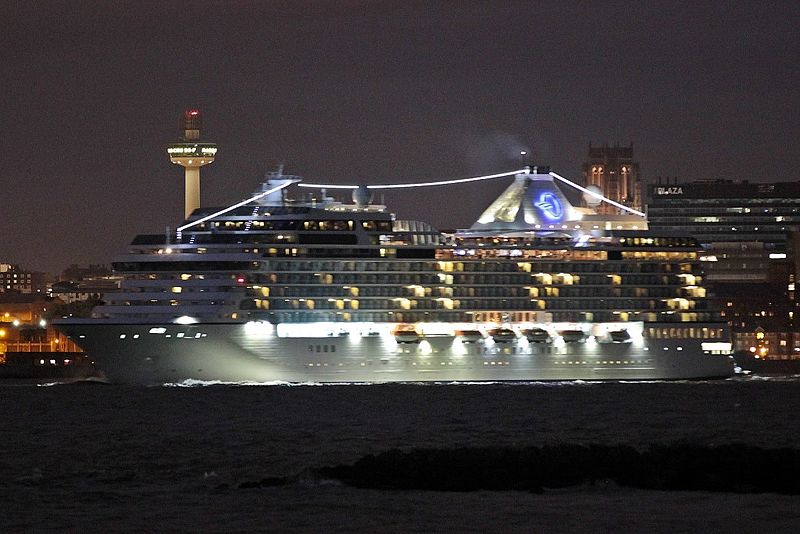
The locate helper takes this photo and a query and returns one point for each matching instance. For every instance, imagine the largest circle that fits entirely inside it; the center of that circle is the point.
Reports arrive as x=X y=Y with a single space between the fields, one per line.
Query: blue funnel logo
x=549 y=206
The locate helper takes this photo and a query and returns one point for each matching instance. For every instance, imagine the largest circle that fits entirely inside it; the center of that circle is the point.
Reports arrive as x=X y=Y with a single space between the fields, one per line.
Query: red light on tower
x=191 y=124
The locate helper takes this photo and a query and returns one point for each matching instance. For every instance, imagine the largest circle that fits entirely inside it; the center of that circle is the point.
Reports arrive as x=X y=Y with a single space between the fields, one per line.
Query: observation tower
x=191 y=154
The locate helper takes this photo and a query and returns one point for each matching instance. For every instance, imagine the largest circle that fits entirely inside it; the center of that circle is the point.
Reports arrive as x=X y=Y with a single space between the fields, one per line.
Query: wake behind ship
x=316 y=290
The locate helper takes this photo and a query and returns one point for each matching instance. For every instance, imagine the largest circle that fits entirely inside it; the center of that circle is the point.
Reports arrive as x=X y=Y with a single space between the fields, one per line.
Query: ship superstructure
x=314 y=289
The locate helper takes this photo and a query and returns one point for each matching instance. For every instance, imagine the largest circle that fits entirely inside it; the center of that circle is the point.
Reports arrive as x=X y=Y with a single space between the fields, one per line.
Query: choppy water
x=98 y=457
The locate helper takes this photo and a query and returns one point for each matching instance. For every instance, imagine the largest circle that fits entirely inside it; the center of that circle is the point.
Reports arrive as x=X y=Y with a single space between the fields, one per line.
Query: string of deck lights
x=408 y=186
x=420 y=184
x=237 y=205
x=597 y=195
x=477 y=178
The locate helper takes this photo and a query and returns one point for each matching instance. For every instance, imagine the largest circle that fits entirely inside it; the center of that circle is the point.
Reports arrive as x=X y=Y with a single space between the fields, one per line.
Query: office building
x=750 y=235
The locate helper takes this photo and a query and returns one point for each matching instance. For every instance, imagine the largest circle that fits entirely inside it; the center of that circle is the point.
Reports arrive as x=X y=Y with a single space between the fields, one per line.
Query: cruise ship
x=320 y=290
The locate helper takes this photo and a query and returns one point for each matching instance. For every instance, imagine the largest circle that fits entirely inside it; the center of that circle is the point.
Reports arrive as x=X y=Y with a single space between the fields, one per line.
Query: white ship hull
x=235 y=352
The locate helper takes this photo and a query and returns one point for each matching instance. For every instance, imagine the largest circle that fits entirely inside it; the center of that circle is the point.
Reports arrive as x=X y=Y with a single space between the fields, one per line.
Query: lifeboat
x=573 y=336
x=503 y=335
x=407 y=334
x=537 y=335
x=469 y=336
x=619 y=336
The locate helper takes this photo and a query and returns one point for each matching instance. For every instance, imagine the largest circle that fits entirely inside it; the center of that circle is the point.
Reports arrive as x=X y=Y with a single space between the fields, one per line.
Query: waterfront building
x=30 y=348
x=24 y=326
x=615 y=175
x=15 y=279
x=21 y=309
x=749 y=232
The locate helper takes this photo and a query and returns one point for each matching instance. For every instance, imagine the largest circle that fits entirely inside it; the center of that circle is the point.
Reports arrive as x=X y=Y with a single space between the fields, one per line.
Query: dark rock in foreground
x=729 y=468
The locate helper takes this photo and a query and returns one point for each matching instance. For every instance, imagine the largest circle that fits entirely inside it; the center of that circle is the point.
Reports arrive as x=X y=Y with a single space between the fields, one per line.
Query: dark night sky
x=371 y=92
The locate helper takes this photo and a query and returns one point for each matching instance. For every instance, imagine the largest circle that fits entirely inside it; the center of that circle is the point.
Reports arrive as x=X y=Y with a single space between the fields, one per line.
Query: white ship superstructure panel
x=253 y=352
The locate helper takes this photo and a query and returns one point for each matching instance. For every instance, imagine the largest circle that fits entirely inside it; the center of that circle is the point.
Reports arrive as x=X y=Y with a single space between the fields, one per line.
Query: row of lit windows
x=471 y=263
x=337 y=226
x=568 y=286
x=182 y=276
x=555 y=273
x=409 y=281
x=750 y=219
x=400 y=350
x=445 y=316
x=168 y=302
x=567 y=255
x=308 y=316
x=480 y=291
x=322 y=225
x=489 y=253
x=724 y=228
x=334 y=252
x=519 y=243
x=603 y=362
x=589 y=304
x=568 y=242
x=176 y=289
x=351 y=266
x=717 y=206
x=684 y=333
x=659 y=256
x=162 y=331
x=478 y=267
x=469 y=279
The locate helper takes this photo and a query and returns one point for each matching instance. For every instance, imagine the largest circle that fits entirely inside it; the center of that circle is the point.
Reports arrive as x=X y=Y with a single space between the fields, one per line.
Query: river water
x=89 y=457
